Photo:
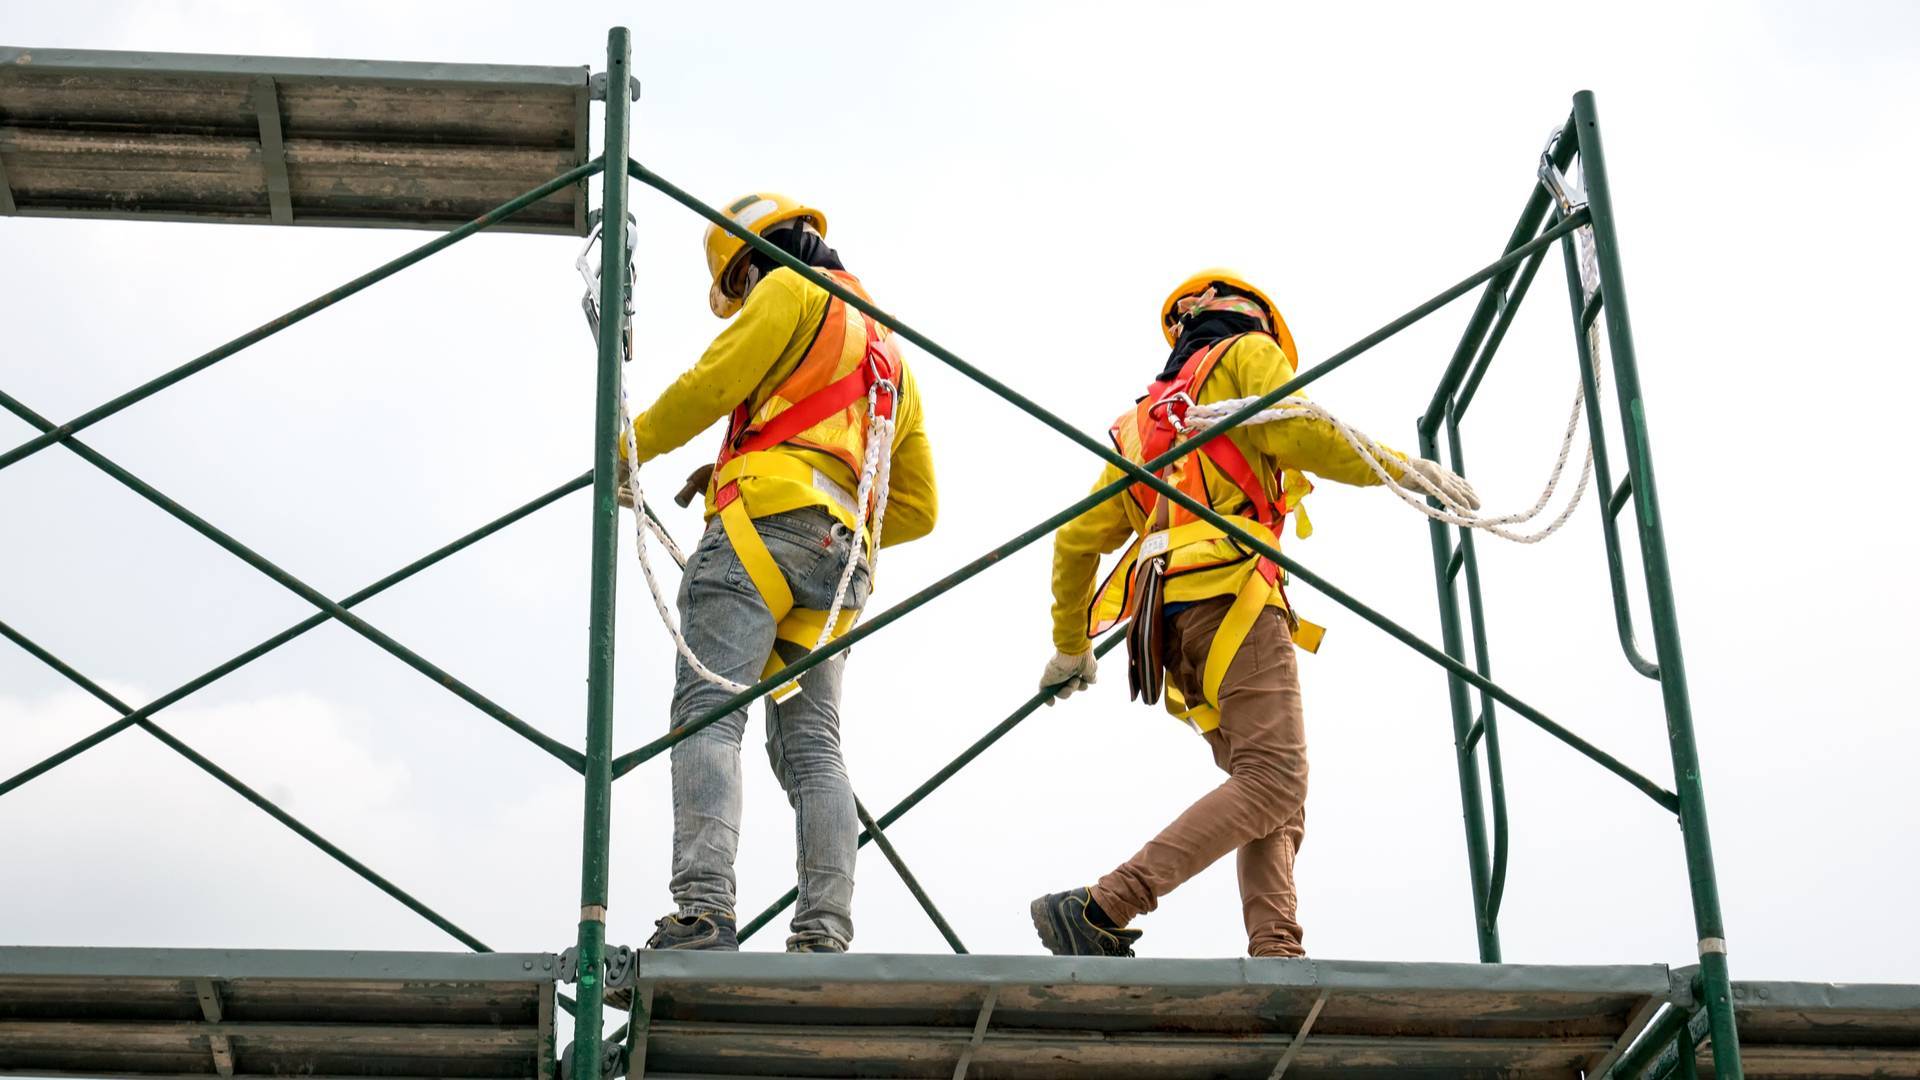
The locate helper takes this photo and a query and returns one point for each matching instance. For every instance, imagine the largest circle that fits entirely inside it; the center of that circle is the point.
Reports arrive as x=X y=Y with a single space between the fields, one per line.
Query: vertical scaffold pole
x=606 y=537
x=1718 y=991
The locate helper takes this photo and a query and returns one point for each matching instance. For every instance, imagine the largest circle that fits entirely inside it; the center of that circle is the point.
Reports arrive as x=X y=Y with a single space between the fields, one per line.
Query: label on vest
x=1154 y=544
x=840 y=496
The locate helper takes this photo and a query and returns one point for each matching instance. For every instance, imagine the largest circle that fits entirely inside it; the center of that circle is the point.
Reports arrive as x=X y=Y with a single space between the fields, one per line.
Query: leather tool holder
x=1146 y=632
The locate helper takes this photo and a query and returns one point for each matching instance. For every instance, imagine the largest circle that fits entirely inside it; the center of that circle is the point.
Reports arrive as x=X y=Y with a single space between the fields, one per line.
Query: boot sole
x=1043 y=924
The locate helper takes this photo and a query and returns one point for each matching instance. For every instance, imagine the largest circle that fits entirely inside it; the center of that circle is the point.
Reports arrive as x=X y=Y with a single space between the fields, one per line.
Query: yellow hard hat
x=1198 y=283
x=726 y=252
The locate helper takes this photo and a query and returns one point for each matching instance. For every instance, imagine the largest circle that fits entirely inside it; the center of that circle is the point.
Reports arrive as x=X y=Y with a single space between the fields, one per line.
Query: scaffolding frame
x=1503 y=284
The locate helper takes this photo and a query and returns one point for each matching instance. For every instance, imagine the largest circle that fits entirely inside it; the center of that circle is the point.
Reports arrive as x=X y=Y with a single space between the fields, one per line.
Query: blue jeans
x=731 y=630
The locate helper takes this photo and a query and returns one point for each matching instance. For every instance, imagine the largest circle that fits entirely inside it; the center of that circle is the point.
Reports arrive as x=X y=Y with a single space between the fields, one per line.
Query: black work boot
x=707 y=930
x=1065 y=929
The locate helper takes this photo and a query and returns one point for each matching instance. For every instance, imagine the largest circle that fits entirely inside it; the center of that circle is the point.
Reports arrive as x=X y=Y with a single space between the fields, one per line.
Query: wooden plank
x=273 y=150
x=161 y=1034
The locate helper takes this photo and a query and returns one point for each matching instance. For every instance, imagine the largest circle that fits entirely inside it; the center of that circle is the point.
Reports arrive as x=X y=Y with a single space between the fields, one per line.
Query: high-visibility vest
x=1256 y=503
x=822 y=406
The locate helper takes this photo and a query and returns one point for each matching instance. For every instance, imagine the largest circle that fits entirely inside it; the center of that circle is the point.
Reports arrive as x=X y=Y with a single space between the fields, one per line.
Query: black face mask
x=1203 y=331
x=809 y=248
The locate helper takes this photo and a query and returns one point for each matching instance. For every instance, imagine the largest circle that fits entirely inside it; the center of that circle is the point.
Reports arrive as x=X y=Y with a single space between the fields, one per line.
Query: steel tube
x=932 y=783
x=1603 y=472
x=207 y=765
x=1485 y=724
x=1483 y=312
x=294 y=631
x=1708 y=922
x=300 y=588
x=874 y=830
x=54 y=433
x=597 y=813
x=1473 y=811
x=1499 y=266
x=1138 y=473
x=1659 y=1035
x=1508 y=309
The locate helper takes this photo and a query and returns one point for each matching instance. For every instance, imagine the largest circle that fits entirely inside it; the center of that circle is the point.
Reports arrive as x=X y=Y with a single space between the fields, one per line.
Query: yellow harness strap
x=798 y=625
x=1255 y=596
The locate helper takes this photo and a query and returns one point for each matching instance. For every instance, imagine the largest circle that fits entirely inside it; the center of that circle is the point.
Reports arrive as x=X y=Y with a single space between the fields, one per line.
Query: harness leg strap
x=798 y=625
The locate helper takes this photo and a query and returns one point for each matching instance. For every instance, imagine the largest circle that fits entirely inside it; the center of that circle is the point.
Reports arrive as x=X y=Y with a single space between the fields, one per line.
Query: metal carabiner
x=1178 y=422
x=589 y=270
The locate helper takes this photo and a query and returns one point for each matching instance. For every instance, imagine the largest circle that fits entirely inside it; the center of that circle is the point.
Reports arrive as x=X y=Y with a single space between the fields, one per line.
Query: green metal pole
x=1466 y=762
x=319 y=303
x=1711 y=929
x=907 y=877
x=1486 y=724
x=594 y=840
x=932 y=783
x=1603 y=467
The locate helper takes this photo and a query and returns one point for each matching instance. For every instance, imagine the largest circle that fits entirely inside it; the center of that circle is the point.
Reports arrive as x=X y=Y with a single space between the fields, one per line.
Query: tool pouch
x=1146 y=631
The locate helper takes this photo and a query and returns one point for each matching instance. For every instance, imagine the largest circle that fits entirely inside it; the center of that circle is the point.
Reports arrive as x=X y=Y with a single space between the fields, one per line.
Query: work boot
x=709 y=930
x=1066 y=930
x=814 y=946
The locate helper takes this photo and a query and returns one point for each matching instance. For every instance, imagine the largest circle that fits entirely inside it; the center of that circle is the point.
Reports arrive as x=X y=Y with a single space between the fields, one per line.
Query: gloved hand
x=623 y=482
x=1069 y=673
x=1451 y=484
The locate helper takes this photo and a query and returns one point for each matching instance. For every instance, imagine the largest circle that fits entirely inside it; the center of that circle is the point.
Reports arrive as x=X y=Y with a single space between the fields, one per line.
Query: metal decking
x=182 y=1012
x=272 y=140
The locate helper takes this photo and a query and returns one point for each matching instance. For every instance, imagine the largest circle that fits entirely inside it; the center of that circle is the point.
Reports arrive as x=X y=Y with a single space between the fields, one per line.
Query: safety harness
x=1145 y=432
x=840 y=400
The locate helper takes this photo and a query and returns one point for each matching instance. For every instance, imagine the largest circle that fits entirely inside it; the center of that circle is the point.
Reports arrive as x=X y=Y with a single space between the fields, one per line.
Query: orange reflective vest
x=822 y=406
x=1257 y=504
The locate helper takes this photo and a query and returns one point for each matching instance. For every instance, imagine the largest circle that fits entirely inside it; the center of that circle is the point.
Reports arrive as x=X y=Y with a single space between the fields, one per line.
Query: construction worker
x=805 y=378
x=1208 y=616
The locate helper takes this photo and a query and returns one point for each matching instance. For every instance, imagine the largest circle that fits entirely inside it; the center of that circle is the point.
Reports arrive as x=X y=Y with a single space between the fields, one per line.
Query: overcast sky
x=1022 y=182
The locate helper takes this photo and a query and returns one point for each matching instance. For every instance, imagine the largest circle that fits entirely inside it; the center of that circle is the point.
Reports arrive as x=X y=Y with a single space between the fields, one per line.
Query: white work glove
x=1445 y=480
x=623 y=482
x=1069 y=673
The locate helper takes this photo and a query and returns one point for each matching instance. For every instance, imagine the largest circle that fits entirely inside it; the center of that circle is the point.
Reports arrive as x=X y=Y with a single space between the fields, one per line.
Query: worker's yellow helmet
x=726 y=253
x=1198 y=284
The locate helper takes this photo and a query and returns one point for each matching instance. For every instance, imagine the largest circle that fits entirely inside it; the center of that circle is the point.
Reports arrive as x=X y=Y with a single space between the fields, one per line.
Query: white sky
x=1023 y=183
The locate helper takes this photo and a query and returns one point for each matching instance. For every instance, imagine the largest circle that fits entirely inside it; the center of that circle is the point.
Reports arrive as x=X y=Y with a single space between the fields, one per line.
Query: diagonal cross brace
x=1136 y=473
x=249 y=656
x=244 y=791
x=906 y=877
x=52 y=434
x=301 y=589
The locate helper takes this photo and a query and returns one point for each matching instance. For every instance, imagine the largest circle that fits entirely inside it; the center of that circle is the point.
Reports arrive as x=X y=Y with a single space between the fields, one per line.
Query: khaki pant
x=1260 y=811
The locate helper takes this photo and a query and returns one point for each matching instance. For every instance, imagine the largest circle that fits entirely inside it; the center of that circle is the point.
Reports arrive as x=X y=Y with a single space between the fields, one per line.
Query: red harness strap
x=879 y=365
x=1160 y=415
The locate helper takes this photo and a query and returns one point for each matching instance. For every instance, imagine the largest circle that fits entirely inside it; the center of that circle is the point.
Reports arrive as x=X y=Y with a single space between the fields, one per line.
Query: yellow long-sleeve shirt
x=758 y=351
x=1253 y=365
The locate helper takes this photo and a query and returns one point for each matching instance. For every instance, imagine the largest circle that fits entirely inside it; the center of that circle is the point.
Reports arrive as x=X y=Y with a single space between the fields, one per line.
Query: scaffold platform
x=256 y=1013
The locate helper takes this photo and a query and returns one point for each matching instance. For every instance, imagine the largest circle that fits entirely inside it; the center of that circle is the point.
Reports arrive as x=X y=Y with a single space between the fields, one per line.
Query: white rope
x=1568 y=195
x=876 y=473
x=643 y=522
